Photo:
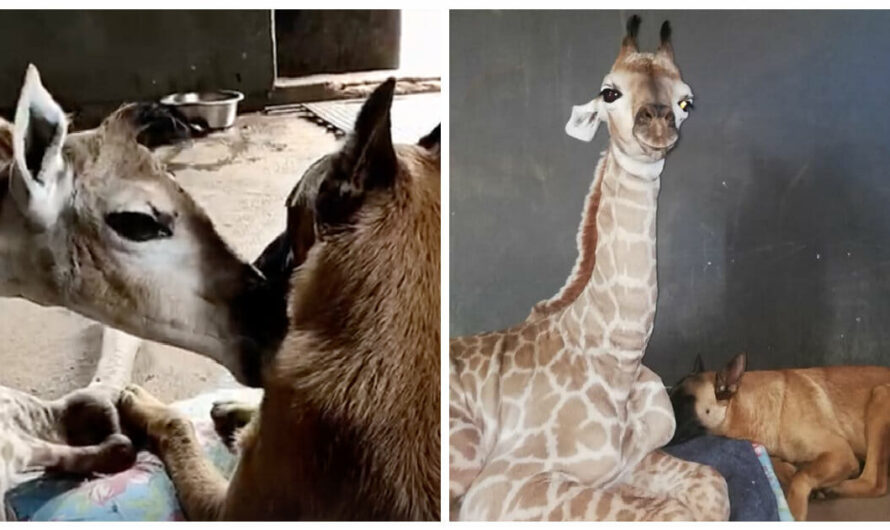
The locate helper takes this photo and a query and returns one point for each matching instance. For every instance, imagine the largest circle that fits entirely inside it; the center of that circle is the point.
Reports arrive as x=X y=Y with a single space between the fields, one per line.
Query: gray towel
x=750 y=496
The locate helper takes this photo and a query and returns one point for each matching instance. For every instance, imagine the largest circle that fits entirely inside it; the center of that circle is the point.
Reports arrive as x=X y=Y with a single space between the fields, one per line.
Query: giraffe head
x=643 y=100
x=93 y=222
x=701 y=398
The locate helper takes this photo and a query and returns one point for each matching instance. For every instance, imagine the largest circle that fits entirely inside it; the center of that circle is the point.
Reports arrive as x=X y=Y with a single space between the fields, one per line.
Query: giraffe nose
x=652 y=111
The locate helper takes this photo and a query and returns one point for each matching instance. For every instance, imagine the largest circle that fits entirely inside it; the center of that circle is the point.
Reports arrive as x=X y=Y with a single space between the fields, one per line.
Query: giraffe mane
x=586 y=241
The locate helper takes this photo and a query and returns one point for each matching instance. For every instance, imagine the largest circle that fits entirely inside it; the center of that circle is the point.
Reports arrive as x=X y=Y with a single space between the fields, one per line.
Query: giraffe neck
x=608 y=302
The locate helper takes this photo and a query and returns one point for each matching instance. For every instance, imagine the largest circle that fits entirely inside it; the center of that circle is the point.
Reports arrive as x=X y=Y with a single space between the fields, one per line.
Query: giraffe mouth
x=657 y=146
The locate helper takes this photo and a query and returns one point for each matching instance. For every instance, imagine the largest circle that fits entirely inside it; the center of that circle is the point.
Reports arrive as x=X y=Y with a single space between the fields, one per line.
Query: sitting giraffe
x=556 y=418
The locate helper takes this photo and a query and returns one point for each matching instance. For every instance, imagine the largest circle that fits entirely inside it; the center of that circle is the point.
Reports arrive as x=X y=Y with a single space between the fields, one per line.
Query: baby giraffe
x=556 y=418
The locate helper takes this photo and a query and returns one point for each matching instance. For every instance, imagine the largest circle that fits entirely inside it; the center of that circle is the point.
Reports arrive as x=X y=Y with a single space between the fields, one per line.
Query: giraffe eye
x=610 y=94
x=686 y=105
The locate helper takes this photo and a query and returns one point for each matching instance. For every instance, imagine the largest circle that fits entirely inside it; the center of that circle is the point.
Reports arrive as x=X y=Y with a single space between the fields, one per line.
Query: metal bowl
x=216 y=110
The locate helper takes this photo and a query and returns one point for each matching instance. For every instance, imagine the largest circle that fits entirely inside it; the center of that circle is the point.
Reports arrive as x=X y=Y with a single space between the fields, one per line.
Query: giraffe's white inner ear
x=40 y=183
x=584 y=121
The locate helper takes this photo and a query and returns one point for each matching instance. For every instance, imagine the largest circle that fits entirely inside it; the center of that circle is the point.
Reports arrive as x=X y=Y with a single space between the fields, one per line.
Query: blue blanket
x=751 y=495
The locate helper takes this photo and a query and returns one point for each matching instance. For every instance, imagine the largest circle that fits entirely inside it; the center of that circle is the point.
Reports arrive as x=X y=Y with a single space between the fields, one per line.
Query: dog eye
x=140 y=227
x=686 y=105
x=610 y=95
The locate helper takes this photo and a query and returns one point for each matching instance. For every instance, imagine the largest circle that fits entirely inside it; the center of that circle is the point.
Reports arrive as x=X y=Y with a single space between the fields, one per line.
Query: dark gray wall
x=95 y=57
x=333 y=41
x=773 y=225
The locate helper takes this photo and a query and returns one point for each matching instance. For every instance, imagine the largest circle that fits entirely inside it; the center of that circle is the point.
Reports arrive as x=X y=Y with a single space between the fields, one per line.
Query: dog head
x=700 y=399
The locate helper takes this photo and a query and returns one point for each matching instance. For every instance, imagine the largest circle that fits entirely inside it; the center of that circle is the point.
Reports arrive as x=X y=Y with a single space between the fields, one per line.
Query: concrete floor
x=241 y=177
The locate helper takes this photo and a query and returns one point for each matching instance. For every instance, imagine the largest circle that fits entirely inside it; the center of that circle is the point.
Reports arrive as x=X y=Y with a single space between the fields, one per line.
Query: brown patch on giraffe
x=525 y=356
x=515 y=383
x=540 y=410
x=532 y=493
x=572 y=429
x=568 y=426
x=555 y=514
x=601 y=400
x=530 y=331
x=595 y=469
x=465 y=441
x=497 y=467
x=468 y=379
x=475 y=362
x=587 y=243
x=603 y=507
x=511 y=340
x=570 y=369
x=578 y=505
x=616 y=435
x=489 y=342
x=549 y=345
x=533 y=446
x=625 y=515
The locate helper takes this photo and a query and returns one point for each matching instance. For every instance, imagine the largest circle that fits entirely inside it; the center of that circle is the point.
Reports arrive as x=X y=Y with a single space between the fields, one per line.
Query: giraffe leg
x=114 y=454
x=553 y=496
x=465 y=455
x=650 y=416
x=701 y=489
x=873 y=480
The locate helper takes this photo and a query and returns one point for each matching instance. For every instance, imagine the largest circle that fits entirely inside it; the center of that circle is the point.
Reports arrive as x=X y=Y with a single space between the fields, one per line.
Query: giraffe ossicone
x=557 y=418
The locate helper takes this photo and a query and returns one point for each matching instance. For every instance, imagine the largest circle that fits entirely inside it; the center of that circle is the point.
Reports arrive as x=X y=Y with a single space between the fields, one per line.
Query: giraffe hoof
x=116 y=454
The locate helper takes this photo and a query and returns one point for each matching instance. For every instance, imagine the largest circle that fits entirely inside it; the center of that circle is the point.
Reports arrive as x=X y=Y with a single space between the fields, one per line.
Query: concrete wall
x=773 y=227
x=100 y=57
x=333 y=41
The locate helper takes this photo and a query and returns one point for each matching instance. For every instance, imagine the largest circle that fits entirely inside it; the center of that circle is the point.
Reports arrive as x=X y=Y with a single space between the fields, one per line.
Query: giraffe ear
x=584 y=121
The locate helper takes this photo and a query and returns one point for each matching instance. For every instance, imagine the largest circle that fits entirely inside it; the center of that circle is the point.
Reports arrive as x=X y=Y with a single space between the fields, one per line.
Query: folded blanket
x=752 y=496
x=142 y=493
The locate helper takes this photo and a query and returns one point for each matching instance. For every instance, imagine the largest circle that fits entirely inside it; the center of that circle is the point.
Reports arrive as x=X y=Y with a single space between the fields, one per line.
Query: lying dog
x=349 y=423
x=818 y=424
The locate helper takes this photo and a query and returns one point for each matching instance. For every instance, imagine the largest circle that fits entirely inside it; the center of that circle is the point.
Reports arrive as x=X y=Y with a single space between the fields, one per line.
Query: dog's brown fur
x=349 y=423
x=818 y=424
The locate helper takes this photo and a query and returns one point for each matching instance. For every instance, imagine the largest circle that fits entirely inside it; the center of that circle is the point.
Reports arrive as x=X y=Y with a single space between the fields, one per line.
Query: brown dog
x=349 y=423
x=818 y=424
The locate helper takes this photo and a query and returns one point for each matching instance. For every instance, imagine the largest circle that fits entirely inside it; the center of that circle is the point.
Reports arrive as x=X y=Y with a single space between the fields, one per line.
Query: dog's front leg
x=827 y=469
x=784 y=472
x=199 y=485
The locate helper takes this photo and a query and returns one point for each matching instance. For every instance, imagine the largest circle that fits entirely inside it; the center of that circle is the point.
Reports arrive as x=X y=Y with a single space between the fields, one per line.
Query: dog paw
x=229 y=417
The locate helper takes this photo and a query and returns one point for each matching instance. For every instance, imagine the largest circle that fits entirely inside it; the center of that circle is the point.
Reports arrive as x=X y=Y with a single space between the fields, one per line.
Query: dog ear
x=367 y=161
x=699 y=365
x=727 y=380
